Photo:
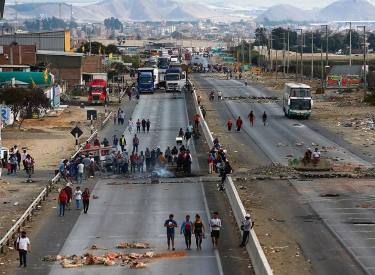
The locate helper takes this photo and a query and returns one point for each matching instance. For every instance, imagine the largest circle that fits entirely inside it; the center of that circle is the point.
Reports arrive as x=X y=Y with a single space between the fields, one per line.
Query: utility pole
x=312 y=55
x=90 y=40
x=16 y=15
x=276 y=66
x=288 y=52
x=326 y=26
x=350 y=43
x=301 y=53
x=60 y=11
x=283 y=61
x=364 y=61
x=250 y=53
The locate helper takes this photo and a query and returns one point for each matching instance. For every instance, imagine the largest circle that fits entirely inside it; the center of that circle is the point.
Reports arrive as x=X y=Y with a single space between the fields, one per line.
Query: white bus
x=297 y=100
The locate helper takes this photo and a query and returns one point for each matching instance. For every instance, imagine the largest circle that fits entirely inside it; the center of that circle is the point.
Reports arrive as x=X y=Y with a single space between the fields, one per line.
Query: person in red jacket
x=239 y=124
x=63 y=197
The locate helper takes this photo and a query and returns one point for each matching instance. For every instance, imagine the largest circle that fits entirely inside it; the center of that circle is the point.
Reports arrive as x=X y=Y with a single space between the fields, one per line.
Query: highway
x=281 y=135
x=130 y=211
x=302 y=211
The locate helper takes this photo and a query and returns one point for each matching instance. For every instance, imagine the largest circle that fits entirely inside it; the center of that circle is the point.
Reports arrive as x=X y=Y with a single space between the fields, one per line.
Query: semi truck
x=97 y=93
x=174 y=77
x=146 y=80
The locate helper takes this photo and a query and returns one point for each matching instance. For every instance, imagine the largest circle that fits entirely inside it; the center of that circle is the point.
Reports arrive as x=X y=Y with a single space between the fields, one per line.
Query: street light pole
x=364 y=61
x=288 y=53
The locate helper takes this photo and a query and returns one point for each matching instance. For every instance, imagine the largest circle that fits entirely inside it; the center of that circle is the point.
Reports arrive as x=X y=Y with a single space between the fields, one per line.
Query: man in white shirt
x=23 y=246
x=80 y=169
x=78 y=197
x=215 y=225
x=316 y=156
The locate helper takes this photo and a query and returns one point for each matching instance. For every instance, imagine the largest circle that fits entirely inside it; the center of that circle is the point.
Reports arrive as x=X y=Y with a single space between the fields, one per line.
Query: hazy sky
x=304 y=4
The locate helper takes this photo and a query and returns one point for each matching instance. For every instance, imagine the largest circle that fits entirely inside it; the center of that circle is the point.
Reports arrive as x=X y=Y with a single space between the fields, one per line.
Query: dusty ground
x=48 y=141
x=330 y=110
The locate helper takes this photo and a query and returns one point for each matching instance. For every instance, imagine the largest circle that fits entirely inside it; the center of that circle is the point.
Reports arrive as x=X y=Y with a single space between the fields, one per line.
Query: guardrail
x=255 y=251
x=105 y=121
x=16 y=228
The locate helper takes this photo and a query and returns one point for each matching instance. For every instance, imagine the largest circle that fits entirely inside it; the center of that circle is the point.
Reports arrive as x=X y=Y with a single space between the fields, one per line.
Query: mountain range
x=342 y=10
x=157 y=10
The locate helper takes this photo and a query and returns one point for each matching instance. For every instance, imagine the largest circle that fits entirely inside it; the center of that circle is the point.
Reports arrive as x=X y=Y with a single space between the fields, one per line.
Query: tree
x=356 y=41
x=176 y=35
x=371 y=41
x=111 y=48
x=113 y=24
x=335 y=42
x=72 y=24
x=261 y=37
x=31 y=99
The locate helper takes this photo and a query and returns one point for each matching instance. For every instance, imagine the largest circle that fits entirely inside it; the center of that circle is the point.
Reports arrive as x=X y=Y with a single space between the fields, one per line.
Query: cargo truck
x=146 y=80
x=174 y=77
x=98 y=89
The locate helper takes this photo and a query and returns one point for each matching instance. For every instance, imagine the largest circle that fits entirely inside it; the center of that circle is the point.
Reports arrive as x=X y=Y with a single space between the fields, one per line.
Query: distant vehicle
x=297 y=100
x=154 y=52
x=339 y=52
x=196 y=57
x=145 y=80
x=187 y=56
x=205 y=55
x=164 y=62
x=98 y=89
x=174 y=77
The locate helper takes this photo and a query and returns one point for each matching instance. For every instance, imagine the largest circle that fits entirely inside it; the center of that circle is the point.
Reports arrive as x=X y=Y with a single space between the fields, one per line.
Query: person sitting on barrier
x=307 y=156
x=316 y=156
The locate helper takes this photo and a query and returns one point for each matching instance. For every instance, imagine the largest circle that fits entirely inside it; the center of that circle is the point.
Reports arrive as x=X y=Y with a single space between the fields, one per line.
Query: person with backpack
x=187 y=229
x=23 y=246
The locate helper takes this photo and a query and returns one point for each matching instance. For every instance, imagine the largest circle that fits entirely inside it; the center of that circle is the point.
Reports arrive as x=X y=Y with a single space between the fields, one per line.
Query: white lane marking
x=209 y=218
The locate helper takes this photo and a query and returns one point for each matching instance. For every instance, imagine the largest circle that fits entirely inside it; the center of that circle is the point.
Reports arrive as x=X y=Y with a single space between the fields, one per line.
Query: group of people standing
x=251 y=118
x=66 y=195
x=197 y=228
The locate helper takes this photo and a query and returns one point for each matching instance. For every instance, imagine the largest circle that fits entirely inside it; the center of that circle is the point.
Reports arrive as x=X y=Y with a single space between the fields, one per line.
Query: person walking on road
x=115 y=142
x=78 y=197
x=215 y=225
x=141 y=160
x=80 y=170
x=143 y=122
x=186 y=228
x=86 y=200
x=251 y=117
x=148 y=158
x=198 y=230
x=69 y=193
x=148 y=124
x=187 y=137
x=23 y=246
x=219 y=95
x=135 y=143
x=239 y=124
x=229 y=124
x=210 y=161
x=62 y=201
x=170 y=224
x=138 y=123
x=122 y=143
x=246 y=225
x=130 y=125
x=264 y=118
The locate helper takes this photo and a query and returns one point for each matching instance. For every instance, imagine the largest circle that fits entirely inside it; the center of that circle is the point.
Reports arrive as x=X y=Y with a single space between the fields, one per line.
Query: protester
x=63 y=198
x=23 y=246
x=215 y=225
x=170 y=224
x=246 y=225
x=186 y=228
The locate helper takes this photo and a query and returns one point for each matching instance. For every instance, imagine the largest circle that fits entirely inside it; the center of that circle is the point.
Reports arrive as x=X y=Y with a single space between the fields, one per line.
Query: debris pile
x=108 y=259
x=272 y=169
x=133 y=245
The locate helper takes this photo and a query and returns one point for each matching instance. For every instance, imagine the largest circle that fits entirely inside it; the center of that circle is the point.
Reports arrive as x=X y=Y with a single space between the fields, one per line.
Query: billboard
x=343 y=81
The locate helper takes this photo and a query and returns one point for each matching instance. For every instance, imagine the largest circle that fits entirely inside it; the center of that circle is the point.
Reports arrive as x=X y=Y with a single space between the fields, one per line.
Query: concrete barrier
x=255 y=251
x=258 y=259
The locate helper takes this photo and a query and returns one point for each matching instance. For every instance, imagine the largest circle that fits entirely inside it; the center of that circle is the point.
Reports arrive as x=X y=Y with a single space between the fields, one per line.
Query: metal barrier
x=16 y=228
x=105 y=121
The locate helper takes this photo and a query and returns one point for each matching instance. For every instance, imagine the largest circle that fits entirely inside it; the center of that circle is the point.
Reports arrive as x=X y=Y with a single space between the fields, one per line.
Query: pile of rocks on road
x=272 y=170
